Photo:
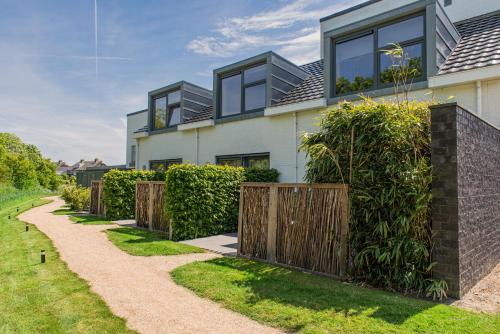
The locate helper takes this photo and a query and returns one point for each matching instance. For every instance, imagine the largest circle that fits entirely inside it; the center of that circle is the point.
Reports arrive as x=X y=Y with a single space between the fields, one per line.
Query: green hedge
x=119 y=191
x=77 y=197
x=390 y=235
x=261 y=175
x=202 y=200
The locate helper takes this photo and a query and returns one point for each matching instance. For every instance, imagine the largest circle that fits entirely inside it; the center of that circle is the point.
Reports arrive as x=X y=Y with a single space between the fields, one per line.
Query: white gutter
x=479 y=98
x=295 y=129
x=195 y=125
x=294 y=107
x=462 y=77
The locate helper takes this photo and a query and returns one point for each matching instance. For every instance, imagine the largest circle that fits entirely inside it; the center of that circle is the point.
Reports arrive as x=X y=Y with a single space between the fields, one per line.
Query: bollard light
x=27 y=227
x=17 y=209
x=32 y=205
x=9 y=216
x=42 y=256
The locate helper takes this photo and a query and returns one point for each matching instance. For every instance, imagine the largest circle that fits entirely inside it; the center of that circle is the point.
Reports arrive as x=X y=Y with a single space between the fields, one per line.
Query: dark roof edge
x=136 y=112
x=348 y=10
x=175 y=85
x=496 y=12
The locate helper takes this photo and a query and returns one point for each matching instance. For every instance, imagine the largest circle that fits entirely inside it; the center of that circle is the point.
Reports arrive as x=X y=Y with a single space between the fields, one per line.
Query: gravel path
x=136 y=288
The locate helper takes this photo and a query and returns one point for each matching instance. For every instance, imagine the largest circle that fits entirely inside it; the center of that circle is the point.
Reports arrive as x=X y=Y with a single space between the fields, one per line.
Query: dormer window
x=361 y=62
x=244 y=91
x=167 y=110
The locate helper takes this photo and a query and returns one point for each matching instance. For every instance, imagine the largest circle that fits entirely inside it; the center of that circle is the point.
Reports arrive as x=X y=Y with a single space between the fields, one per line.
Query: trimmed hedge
x=119 y=191
x=77 y=197
x=202 y=200
x=390 y=234
x=261 y=175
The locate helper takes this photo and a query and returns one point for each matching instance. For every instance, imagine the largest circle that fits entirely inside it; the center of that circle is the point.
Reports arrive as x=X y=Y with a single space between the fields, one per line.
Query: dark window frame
x=377 y=85
x=166 y=162
x=133 y=154
x=169 y=108
x=243 y=86
x=243 y=158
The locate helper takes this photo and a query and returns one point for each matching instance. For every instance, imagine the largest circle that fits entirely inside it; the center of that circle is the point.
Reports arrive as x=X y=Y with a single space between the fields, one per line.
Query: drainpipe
x=479 y=101
x=197 y=146
x=137 y=154
x=295 y=129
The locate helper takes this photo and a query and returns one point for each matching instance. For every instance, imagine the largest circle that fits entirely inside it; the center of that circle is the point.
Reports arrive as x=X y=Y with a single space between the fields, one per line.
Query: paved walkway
x=225 y=244
x=136 y=288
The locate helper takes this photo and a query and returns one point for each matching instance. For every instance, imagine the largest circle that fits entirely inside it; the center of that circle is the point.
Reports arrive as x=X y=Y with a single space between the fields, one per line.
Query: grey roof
x=311 y=88
x=203 y=115
x=479 y=45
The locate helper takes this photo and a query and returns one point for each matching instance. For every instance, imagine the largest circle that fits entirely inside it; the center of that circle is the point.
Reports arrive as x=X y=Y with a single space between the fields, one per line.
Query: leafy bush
x=261 y=175
x=23 y=166
x=78 y=198
x=202 y=200
x=388 y=147
x=119 y=191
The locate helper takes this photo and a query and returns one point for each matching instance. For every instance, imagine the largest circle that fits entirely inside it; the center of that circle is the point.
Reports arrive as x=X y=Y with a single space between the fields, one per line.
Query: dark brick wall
x=466 y=196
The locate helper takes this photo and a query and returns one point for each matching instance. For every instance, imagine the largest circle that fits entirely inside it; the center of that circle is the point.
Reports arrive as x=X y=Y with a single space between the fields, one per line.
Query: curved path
x=136 y=288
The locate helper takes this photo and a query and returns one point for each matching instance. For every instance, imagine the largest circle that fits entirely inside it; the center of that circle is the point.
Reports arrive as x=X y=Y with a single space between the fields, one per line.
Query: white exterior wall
x=134 y=122
x=276 y=134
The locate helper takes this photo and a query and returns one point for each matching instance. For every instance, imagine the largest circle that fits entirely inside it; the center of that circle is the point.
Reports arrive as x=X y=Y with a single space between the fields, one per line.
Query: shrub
x=261 y=175
x=119 y=191
x=202 y=200
x=78 y=198
x=390 y=236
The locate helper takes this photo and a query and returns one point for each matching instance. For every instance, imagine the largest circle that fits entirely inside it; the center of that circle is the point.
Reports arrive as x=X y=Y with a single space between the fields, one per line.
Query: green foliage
x=261 y=175
x=390 y=178
x=343 y=85
x=77 y=197
x=22 y=165
x=202 y=200
x=119 y=191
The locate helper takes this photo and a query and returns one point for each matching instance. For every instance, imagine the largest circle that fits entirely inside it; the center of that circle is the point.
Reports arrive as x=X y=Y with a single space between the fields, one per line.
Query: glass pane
x=401 y=31
x=173 y=162
x=235 y=162
x=231 y=95
x=255 y=97
x=175 y=116
x=160 y=112
x=411 y=60
x=354 y=65
x=158 y=165
x=257 y=162
x=174 y=97
x=254 y=74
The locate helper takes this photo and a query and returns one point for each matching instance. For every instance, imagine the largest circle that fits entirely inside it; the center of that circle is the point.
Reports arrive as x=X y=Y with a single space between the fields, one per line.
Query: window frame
x=167 y=162
x=377 y=85
x=169 y=109
x=243 y=86
x=133 y=155
x=243 y=158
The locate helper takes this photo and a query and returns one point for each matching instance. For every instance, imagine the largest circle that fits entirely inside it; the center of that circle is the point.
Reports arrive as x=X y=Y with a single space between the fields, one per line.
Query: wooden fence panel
x=253 y=219
x=149 y=206
x=96 y=199
x=307 y=225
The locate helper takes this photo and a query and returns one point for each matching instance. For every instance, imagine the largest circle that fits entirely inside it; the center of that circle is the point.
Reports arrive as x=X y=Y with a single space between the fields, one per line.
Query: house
x=259 y=107
x=64 y=168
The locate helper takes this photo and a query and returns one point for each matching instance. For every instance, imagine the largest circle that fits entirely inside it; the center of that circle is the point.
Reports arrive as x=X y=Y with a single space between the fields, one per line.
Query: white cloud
x=270 y=29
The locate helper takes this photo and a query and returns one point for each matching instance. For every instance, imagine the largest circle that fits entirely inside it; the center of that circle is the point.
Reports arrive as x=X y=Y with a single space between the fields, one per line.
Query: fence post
x=150 y=206
x=240 y=220
x=272 y=222
x=344 y=228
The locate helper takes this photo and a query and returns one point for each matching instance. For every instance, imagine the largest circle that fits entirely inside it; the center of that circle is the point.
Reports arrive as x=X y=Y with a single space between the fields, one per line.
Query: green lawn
x=306 y=303
x=146 y=243
x=82 y=218
x=44 y=298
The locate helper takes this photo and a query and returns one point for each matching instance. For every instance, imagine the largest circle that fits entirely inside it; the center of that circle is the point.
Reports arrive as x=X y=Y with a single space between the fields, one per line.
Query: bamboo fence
x=149 y=206
x=297 y=225
x=96 y=199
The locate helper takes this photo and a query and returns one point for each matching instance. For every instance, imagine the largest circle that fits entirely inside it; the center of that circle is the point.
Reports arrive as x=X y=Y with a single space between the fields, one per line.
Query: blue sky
x=53 y=95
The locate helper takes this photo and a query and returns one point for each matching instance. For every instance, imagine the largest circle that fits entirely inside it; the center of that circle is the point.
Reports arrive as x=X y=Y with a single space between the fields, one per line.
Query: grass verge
x=43 y=298
x=296 y=301
x=82 y=218
x=147 y=243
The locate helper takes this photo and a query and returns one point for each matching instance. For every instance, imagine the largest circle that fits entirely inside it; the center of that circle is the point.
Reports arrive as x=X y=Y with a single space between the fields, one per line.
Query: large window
x=166 y=110
x=362 y=62
x=243 y=91
x=162 y=165
x=133 y=154
x=260 y=160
